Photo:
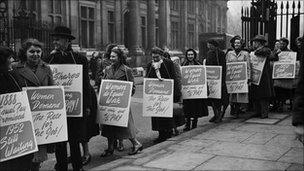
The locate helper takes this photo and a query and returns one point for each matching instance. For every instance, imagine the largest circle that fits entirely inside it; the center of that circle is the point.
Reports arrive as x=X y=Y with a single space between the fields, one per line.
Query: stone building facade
x=138 y=24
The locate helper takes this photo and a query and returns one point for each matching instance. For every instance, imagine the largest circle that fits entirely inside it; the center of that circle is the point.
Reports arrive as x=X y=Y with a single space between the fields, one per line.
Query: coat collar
x=29 y=75
x=120 y=72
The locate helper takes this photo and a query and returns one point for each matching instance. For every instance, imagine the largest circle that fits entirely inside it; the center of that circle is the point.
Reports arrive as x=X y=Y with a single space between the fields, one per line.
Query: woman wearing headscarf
x=9 y=84
x=34 y=73
x=238 y=55
x=193 y=108
x=118 y=70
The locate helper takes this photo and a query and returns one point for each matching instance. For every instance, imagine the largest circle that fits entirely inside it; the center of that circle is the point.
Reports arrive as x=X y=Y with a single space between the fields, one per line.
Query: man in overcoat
x=63 y=54
x=262 y=93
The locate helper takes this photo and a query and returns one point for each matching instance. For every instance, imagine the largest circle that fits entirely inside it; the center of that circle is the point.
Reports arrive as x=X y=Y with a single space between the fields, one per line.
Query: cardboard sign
x=257 y=66
x=214 y=81
x=158 y=98
x=114 y=102
x=287 y=57
x=16 y=126
x=70 y=76
x=194 y=82
x=236 y=77
x=49 y=113
x=283 y=70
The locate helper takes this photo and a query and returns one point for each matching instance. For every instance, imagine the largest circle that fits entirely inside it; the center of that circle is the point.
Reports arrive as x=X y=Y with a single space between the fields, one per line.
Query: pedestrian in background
x=162 y=68
x=34 y=73
x=193 y=108
x=238 y=55
x=118 y=70
x=10 y=83
x=64 y=54
x=216 y=57
x=263 y=92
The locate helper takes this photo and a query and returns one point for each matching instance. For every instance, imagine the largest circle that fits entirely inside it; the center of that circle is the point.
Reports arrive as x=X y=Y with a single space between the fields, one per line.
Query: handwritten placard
x=283 y=70
x=158 y=98
x=236 y=77
x=49 y=113
x=287 y=57
x=194 y=82
x=114 y=102
x=257 y=66
x=214 y=81
x=16 y=126
x=70 y=76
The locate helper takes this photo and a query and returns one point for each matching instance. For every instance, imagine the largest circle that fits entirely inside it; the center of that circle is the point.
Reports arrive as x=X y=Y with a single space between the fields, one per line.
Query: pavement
x=234 y=144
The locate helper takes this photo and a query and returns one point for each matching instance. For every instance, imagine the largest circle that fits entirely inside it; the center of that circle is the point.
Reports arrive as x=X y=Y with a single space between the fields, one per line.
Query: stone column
x=118 y=22
x=164 y=23
x=74 y=22
x=104 y=23
x=184 y=25
x=133 y=24
x=151 y=24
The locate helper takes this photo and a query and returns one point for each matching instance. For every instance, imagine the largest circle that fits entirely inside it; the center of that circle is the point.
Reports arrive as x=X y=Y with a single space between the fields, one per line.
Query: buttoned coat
x=123 y=73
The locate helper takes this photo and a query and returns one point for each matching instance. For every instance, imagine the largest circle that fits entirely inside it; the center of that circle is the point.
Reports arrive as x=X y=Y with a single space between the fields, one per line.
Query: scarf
x=156 y=66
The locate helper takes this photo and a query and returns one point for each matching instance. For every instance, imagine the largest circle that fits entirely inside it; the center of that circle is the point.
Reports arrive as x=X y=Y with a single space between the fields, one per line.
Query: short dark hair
x=194 y=52
x=5 y=53
x=157 y=50
x=26 y=45
x=108 y=50
x=120 y=54
x=285 y=40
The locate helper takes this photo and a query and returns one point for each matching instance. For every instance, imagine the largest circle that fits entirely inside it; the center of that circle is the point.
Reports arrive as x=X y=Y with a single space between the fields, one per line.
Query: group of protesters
x=32 y=70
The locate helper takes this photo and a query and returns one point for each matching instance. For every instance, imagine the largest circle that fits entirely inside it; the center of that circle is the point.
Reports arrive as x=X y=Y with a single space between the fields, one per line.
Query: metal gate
x=273 y=20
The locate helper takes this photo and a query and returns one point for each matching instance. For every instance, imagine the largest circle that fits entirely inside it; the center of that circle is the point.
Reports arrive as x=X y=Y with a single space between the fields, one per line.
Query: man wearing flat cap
x=262 y=93
x=63 y=54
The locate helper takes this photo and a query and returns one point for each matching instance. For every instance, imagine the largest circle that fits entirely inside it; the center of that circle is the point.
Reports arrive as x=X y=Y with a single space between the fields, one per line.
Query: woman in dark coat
x=193 y=108
x=119 y=71
x=166 y=70
x=216 y=57
x=262 y=93
x=9 y=84
x=34 y=73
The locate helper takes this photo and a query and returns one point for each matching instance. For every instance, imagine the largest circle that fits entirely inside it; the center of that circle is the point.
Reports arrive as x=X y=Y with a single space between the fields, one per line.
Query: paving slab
x=179 y=161
x=269 y=121
x=231 y=163
x=229 y=136
x=111 y=165
x=182 y=148
x=194 y=142
x=259 y=138
x=278 y=116
x=295 y=167
x=130 y=167
x=149 y=157
x=295 y=155
x=247 y=150
x=276 y=129
x=285 y=140
x=286 y=121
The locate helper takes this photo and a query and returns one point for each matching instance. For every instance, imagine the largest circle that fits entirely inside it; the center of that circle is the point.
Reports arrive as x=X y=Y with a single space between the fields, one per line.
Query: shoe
x=120 y=146
x=107 y=153
x=176 y=132
x=212 y=119
x=194 y=123
x=159 y=140
x=137 y=148
x=86 y=160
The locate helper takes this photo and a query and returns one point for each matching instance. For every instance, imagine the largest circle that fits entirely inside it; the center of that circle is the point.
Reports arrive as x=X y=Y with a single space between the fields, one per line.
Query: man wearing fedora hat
x=63 y=54
x=262 y=93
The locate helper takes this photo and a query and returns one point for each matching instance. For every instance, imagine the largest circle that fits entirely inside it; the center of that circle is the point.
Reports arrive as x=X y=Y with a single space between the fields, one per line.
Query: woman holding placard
x=193 y=108
x=238 y=55
x=119 y=71
x=34 y=73
x=10 y=83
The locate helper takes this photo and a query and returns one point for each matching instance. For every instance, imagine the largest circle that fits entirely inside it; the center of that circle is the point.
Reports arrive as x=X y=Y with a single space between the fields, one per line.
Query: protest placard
x=70 y=76
x=158 y=98
x=114 y=102
x=236 y=77
x=16 y=126
x=214 y=81
x=283 y=70
x=287 y=57
x=257 y=66
x=49 y=113
x=194 y=82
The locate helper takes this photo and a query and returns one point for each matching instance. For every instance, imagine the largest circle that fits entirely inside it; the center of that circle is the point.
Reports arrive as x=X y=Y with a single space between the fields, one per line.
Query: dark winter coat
x=265 y=88
x=194 y=108
x=9 y=84
x=218 y=58
x=92 y=126
x=75 y=123
x=167 y=71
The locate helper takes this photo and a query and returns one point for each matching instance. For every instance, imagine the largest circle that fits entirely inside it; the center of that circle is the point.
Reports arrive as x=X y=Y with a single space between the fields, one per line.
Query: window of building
x=143 y=33
x=111 y=27
x=191 y=31
x=157 y=33
x=87 y=27
x=174 y=35
x=191 y=6
x=174 y=5
x=55 y=11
